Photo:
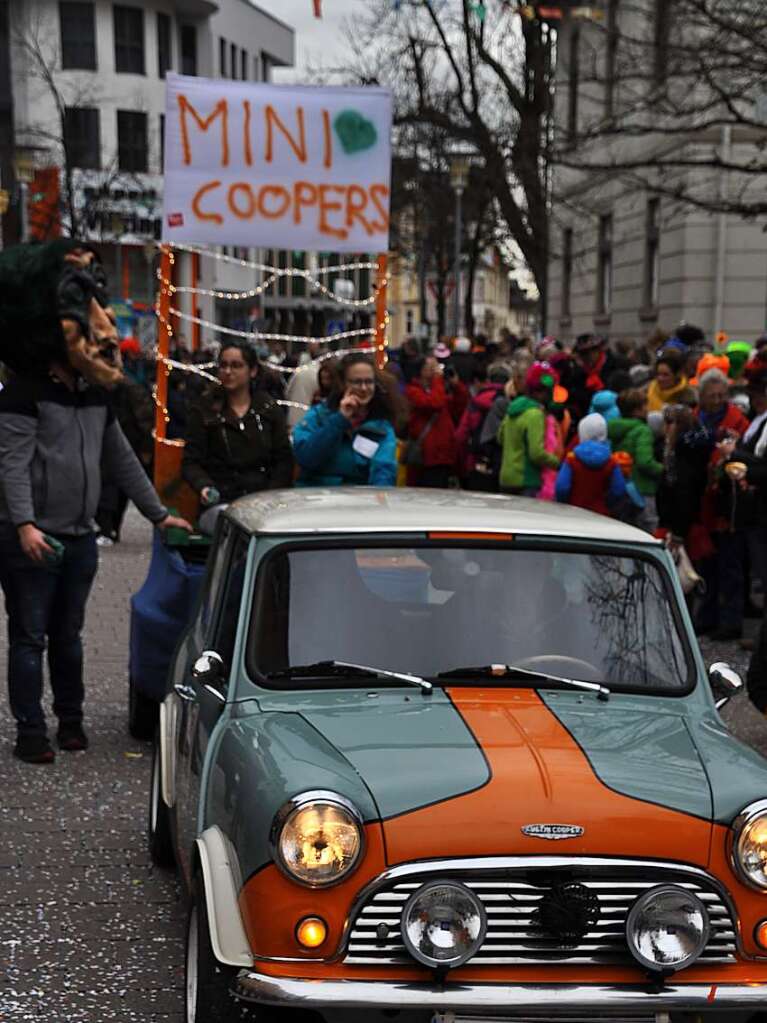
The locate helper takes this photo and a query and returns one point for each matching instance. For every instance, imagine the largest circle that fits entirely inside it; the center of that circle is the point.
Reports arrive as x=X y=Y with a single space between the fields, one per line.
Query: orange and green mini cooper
x=436 y=756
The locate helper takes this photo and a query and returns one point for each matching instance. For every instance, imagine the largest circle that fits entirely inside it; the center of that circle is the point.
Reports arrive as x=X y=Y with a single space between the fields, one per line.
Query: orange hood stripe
x=539 y=775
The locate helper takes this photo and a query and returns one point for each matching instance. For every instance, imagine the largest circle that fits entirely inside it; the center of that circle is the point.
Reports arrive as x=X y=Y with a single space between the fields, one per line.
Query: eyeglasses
x=231 y=365
x=361 y=383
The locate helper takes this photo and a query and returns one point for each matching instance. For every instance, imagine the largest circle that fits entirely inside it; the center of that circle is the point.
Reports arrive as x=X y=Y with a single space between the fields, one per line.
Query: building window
x=266 y=67
x=162 y=143
x=611 y=55
x=652 y=254
x=256 y=70
x=222 y=57
x=164 y=51
x=188 y=50
x=129 y=40
x=243 y=65
x=131 y=141
x=573 y=79
x=78 y=36
x=409 y=321
x=661 y=27
x=82 y=138
x=605 y=264
x=233 y=60
x=567 y=270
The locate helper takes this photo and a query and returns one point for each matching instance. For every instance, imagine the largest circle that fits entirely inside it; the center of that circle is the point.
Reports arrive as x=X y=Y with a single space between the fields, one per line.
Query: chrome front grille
x=514 y=936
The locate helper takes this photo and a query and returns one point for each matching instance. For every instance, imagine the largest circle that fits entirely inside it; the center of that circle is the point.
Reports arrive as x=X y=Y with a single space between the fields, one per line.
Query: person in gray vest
x=58 y=431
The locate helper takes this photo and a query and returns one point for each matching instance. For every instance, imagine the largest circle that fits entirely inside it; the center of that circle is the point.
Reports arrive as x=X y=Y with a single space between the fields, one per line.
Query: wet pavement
x=89 y=929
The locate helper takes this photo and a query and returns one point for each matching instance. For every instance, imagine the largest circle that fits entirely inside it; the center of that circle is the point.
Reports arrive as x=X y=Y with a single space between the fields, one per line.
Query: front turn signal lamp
x=760 y=934
x=311 y=932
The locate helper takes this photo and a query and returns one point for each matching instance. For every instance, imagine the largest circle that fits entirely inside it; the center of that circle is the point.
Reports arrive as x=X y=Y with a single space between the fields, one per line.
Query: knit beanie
x=605 y=403
x=738 y=353
x=592 y=427
x=656 y=422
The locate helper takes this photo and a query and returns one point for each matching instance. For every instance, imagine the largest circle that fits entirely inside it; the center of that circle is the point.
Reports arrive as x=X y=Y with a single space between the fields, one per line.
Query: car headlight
x=317 y=838
x=749 y=845
x=443 y=924
x=667 y=928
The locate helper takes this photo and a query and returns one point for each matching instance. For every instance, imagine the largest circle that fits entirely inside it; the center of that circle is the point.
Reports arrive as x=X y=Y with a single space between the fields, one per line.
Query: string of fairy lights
x=274 y=274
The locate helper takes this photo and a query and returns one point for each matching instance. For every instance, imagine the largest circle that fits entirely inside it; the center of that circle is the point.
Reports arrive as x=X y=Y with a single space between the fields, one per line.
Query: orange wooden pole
x=381 y=304
x=163 y=348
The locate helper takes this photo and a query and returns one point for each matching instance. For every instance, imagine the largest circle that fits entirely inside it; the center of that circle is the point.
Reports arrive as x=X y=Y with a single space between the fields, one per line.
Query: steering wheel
x=561 y=664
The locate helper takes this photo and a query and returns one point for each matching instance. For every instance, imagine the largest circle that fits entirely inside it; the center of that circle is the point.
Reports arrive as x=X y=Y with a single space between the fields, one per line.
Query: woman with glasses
x=237 y=440
x=349 y=439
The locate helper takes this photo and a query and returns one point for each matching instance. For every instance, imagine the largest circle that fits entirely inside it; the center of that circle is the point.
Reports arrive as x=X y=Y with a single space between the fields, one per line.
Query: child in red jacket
x=590 y=476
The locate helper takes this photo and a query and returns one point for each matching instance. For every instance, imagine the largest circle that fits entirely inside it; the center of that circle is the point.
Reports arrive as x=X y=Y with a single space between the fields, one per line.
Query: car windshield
x=598 y=617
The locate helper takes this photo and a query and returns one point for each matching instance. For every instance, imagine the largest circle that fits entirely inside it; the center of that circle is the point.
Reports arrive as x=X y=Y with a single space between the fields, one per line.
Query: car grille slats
x=513 y=934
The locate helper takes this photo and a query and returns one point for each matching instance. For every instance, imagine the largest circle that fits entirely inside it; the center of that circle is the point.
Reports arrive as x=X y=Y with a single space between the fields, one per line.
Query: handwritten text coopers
x=277 y=166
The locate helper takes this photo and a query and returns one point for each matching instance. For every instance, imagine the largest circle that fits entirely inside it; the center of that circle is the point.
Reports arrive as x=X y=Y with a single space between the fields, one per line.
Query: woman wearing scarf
x=587 y=372
x=721 y=612
x=669 y=381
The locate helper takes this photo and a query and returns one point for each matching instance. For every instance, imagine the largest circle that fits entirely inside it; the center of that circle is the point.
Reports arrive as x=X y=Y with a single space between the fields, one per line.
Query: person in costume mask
x=58 y=430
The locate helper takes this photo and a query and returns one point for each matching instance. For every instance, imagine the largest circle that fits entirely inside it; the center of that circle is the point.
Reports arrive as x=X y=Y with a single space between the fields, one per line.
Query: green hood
x=619 y=429
x=519 y=405
x=389 y=755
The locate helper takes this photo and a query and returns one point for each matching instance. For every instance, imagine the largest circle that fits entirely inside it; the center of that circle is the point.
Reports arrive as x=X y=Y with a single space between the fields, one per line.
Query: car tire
x=159 y=833
x=143 y=713
x=207 y=981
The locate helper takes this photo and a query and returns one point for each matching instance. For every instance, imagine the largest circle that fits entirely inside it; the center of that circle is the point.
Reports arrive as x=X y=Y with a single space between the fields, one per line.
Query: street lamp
x=459 y=179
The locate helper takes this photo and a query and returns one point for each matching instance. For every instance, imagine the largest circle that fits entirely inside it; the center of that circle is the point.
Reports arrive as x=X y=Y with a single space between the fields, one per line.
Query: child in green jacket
x=521 y=434
x=631 y=433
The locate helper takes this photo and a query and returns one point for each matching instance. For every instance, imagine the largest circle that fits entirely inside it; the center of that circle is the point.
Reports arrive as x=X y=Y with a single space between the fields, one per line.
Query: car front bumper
x=543 y=1000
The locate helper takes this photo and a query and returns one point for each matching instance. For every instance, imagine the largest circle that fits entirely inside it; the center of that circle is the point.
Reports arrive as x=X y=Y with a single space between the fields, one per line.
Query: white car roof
x=318 y=510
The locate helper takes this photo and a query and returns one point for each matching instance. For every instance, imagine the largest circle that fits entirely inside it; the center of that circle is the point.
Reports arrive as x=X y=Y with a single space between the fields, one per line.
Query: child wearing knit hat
x=590 y=477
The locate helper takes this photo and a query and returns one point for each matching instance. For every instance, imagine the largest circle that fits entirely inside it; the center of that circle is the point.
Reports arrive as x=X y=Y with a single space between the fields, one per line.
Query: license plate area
x=461 y=1017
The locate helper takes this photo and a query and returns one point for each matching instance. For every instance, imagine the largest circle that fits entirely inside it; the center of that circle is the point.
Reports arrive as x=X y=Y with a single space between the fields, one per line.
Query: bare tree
x=85 y=202
x=672 y=99
x=480 y=75
x=423 y=217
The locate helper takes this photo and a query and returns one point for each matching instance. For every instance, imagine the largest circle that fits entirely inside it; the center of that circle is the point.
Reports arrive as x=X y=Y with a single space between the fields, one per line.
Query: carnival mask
x=87 y=321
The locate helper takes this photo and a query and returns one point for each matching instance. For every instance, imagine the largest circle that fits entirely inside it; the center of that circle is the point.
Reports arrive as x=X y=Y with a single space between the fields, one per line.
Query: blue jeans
x=45 y=602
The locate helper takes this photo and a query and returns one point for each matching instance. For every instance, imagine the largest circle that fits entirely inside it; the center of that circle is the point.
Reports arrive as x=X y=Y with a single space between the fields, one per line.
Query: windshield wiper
x=332 y=669
x=509 y=670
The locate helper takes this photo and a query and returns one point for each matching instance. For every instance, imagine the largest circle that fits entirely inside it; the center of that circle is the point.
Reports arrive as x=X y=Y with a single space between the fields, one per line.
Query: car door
x=203 y=697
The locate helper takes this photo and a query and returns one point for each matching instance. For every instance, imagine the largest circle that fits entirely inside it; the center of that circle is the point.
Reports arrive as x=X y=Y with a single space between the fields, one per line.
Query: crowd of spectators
x=669 y=435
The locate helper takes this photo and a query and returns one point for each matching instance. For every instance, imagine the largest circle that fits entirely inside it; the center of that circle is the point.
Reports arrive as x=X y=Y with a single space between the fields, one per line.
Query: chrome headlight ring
x=330 y=830
x=667 y=929
x=748 y=834
x=443 y=924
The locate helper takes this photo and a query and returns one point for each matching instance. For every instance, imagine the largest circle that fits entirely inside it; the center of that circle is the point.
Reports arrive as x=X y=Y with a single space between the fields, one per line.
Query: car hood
x=464 y=772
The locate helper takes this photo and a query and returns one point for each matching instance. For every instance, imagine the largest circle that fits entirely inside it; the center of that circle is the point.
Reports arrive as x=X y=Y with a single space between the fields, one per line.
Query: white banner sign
x=277 y=166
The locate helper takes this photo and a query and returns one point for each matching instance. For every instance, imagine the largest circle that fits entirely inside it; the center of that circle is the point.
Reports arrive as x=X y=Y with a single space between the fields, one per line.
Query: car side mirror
x=725 y=683
x=209 y=670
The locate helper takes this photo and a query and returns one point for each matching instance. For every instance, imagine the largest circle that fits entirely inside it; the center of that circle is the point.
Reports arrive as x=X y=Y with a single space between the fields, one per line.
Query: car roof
x=318 y=510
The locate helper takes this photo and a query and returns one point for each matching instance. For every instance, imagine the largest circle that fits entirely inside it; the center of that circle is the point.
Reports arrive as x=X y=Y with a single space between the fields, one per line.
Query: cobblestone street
x=89 y=929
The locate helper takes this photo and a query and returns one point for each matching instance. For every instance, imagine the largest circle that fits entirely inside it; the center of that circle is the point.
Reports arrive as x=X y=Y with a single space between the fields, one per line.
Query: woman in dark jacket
x=237 y=440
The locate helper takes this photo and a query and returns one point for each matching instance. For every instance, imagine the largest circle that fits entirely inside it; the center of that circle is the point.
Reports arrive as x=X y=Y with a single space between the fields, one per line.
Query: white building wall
x=691 y=272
